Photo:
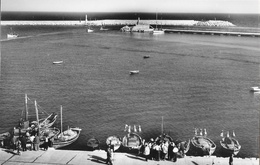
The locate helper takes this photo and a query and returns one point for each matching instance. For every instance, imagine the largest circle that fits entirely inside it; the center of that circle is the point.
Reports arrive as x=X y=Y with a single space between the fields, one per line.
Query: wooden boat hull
x=11 y=36
x=49 y=121
x=201 y=145
x=132 y=140
x=229 y=146
x=57 y=62
x=114 y=141
x=59 y=143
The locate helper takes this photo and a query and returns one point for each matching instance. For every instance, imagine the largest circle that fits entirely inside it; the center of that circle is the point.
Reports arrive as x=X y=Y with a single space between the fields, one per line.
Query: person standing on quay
x=109 y=155
x=36 y=142
x=146 y=152
x=231 y=159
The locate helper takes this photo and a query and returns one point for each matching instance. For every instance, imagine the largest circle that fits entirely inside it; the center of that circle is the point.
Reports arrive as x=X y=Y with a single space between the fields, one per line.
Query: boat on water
x=146 y=56
x=134 y=72
x=11 y=36
x=102 y=28
x=255 y=89
x=114 y=141
x=132 y=141
x=66 y=137
x=201 y=145
x=49 y=133
x=93 y=143
x=48 y=121
x=157 y=30
x=57 y=62
x=229 y=145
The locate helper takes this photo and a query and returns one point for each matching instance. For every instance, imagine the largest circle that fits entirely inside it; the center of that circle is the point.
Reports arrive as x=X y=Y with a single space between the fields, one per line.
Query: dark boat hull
x=201 y=146
x=229 y=147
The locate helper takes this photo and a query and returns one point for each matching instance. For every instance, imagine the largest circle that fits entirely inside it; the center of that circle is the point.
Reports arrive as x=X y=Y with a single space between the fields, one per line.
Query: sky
x=167 y=6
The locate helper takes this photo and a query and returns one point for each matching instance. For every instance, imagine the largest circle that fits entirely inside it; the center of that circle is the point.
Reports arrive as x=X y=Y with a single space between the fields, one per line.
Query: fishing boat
x=49 y=133
x=12 y=34
x=93 y=143
x=57 y=62
x=255 y=89
x=132 y=141
x=67 y=137
x=157 y=30
x=201 y=145
x=134 y=72
x=229 y=145
x=48 y=121
x=114 y=141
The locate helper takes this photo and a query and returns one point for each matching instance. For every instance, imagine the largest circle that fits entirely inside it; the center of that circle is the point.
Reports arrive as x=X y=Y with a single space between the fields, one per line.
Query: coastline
x=52 y=156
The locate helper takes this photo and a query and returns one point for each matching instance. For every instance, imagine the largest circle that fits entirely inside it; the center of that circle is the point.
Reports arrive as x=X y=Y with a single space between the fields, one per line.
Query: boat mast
x=26 y=108
x=156 y=21
x=37 y=116
x=61 y=118
x=162 y=125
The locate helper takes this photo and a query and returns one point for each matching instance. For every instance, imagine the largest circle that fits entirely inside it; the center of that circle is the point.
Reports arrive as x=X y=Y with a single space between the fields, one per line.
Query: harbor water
x=193 y=81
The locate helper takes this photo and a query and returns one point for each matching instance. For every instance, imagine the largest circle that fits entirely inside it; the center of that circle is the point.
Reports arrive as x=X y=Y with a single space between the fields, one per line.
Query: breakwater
x=213 y=23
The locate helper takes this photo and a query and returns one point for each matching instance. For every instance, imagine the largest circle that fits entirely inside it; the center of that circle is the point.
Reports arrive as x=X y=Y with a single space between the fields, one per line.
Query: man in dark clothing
x=23 y=143
x=231 y=159
x=109 y=161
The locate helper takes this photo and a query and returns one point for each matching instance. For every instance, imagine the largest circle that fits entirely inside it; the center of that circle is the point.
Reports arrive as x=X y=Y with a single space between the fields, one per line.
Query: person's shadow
x=98 y=159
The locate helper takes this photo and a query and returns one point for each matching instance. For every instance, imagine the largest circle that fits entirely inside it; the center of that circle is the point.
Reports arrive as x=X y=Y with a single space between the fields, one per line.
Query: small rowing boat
x=114 y=141
x=229 y=145
x=255 y=89
x=134 y=72
x=57 y=62
x=132 y=140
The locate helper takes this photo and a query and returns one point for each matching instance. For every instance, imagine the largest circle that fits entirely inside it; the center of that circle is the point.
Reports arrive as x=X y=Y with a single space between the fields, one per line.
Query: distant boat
x=67 y=137
x=157 y=30
x=114 y=141
x=57 y=62
x=255 y=89
x=134 y=72
x=12 y=34
x=132 y=141
x=146 y=56
x=93 y=143
x=229 y=145
x=103 y=27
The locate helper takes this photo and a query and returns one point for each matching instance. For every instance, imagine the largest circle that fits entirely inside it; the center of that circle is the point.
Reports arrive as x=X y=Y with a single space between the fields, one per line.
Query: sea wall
x=218 y=23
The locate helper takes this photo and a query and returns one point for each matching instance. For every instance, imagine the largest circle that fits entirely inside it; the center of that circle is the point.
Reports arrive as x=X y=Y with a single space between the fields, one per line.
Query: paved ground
x=62 y=157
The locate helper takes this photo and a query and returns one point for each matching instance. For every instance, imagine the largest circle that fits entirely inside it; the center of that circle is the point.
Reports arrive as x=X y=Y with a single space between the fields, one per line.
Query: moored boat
x=201 y=145
x=114 y=141
x=48 y=121
x=229 y=145
x=255 y=89
x=132 y=141
x=134 y=72
x=12 y=36
x=67 y=137
x=57 y=62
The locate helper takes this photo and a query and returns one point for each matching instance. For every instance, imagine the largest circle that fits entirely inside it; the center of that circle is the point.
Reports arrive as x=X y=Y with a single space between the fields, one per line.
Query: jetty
x=70 y=157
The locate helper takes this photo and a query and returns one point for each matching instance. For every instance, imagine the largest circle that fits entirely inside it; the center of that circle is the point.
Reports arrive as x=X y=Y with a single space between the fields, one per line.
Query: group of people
x=22 y=141
x=160 y=149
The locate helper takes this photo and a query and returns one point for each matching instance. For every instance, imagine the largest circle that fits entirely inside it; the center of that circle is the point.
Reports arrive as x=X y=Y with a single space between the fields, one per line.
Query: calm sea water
x=193 y=81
